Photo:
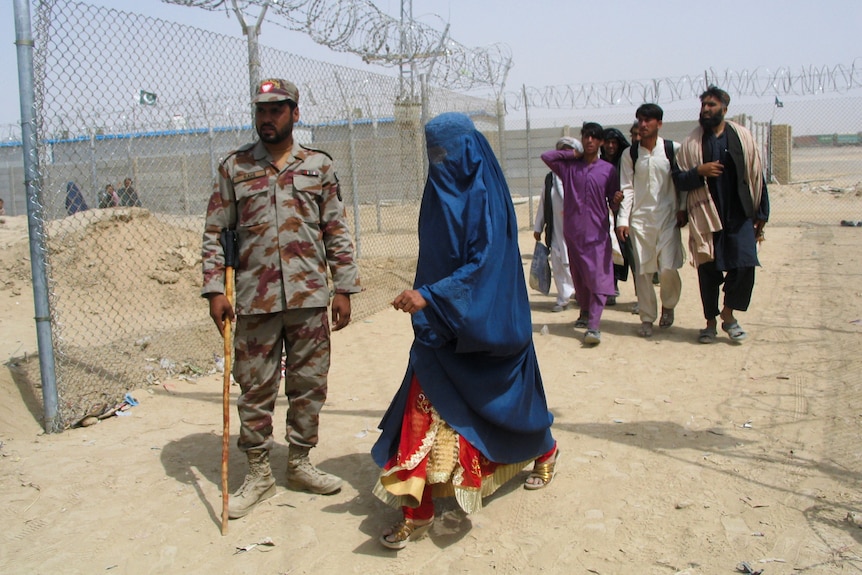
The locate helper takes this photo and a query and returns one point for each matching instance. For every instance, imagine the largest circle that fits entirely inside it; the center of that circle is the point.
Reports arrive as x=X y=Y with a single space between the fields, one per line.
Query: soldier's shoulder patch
x=315 y=150
x=239 y=150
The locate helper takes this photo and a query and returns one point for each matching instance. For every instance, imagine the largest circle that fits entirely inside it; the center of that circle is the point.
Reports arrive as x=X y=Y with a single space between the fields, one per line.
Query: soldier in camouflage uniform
x=284 y=203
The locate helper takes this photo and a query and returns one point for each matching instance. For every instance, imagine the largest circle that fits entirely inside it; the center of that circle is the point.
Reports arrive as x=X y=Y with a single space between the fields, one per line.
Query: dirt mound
x=124 y=291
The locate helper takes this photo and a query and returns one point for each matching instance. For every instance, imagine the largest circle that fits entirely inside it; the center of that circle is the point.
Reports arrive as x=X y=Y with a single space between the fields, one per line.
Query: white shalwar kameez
x=649 y=210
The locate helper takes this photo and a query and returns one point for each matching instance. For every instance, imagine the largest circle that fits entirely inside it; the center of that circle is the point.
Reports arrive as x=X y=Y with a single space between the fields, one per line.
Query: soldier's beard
x=274 y=135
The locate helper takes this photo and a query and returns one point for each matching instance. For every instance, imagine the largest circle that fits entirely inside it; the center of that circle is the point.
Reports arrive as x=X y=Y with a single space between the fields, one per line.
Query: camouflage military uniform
x=291 y=230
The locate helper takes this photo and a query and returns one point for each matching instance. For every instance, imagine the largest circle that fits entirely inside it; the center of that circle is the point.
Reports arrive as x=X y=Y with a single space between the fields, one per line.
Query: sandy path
x=678 y=458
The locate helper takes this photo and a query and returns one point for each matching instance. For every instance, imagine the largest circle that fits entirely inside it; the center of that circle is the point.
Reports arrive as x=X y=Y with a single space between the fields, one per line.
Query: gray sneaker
x=258 y=486
x=302 y=475
x=593 y=337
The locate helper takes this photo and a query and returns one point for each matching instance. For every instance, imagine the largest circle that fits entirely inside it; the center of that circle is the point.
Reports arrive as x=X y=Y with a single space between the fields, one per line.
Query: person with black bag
x=612 y=151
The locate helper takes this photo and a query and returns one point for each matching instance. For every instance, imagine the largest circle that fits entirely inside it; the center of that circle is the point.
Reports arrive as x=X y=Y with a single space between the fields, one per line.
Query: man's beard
x=279 y=136
x=709 y=122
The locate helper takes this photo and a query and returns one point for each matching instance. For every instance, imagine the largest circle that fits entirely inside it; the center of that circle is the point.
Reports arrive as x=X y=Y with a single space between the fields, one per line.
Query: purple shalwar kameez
x=588 y=190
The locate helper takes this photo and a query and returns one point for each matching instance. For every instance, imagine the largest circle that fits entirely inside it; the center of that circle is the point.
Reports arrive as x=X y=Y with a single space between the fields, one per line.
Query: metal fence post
x=210 y=142
x=35 y=215
x=94 y=174
x=354 y=180
x=501 y=132
x=423 y=119
x=529 y=155
x=252 y=33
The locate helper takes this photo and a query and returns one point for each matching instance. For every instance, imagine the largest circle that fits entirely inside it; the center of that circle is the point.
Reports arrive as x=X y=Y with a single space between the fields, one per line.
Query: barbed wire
x=784 y=81
x=806 y=81
x=359 y=27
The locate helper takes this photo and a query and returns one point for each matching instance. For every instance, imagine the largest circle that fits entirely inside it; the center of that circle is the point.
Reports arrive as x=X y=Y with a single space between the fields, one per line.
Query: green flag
x=147 y=98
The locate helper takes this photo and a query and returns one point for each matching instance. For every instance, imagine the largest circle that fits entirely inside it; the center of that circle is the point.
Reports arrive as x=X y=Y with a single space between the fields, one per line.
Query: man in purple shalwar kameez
x=590 y=186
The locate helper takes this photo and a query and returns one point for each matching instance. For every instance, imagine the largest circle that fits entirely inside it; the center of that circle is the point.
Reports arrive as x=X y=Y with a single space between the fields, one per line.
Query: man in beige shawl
x=722 y=186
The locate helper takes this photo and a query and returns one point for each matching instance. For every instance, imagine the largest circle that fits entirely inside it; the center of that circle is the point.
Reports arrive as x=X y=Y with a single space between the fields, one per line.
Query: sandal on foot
x=645 y=329
x=397 y=536
x=707 y=335
x=734 y=331
x=544 y=472
x=582 y=321
x=666 y=318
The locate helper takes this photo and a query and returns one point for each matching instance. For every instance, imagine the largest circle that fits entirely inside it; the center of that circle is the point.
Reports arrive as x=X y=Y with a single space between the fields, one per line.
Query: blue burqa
x=473 y=351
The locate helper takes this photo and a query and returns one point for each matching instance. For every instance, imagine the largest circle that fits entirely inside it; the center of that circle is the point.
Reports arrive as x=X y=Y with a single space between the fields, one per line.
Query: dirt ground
x=677 y=458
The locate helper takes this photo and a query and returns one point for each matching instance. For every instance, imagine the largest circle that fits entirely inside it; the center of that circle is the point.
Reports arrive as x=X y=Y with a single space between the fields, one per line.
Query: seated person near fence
x=74 y=199
x=128 y=195
x=108 y=197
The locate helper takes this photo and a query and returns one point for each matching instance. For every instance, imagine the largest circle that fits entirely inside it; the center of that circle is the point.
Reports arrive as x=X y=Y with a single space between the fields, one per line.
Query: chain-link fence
x=148 y=107
x=121 y=97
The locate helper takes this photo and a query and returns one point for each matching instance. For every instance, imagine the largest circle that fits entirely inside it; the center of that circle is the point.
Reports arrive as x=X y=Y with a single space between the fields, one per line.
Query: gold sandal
x=397 y=536
x=544 y=471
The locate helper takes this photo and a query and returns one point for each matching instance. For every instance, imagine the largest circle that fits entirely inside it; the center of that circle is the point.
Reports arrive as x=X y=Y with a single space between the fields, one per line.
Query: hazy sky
x=557 y=42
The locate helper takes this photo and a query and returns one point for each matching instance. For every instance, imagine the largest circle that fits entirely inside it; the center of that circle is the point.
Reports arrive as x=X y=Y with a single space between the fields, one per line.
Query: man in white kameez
x=553 y=228
x=650 y=216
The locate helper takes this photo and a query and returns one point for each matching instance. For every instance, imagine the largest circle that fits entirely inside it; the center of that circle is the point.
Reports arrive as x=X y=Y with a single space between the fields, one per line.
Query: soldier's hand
x=340 y=311
x=220 y=309
x=681 y=218
x=537 y=235
x=409 y=301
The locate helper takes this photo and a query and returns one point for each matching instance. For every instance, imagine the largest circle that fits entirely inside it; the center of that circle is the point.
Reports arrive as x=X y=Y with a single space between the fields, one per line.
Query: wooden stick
x=225 y=436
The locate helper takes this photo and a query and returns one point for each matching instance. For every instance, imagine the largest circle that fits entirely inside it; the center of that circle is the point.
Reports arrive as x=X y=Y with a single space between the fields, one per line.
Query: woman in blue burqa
x=471 y=411
x=74 y=199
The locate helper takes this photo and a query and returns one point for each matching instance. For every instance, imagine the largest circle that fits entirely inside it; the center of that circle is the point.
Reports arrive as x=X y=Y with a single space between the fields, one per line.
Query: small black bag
x=540 y=269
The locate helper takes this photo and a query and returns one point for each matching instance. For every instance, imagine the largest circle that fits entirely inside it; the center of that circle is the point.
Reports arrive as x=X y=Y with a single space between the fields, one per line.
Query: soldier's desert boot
x=302 y=475
x=258 y=485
